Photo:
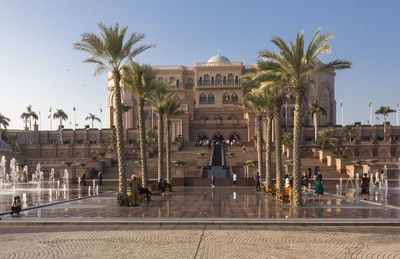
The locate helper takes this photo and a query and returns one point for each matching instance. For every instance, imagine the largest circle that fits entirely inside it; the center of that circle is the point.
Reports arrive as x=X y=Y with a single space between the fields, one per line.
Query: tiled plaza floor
x=221 y=202
x=200 y=242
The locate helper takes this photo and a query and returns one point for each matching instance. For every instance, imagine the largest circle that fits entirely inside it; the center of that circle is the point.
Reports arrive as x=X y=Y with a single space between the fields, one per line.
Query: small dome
x=219 y=59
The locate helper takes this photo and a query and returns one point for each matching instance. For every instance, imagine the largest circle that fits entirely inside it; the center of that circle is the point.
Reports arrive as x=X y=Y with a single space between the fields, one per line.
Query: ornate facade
x=209 y=93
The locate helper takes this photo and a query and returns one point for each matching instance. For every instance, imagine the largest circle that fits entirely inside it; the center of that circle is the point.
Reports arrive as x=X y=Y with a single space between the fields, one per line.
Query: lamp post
x=341 y=106
x=370 y=113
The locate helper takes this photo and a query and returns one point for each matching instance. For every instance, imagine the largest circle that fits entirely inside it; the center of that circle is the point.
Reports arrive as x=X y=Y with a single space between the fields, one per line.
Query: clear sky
x=38 y=65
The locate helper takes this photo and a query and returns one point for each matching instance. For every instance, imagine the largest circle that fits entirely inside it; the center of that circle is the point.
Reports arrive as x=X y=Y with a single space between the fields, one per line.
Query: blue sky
x=38 y=65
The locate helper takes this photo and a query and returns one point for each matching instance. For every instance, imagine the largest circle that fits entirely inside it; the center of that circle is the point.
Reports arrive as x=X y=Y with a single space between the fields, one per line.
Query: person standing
x=234 y=178
x=134 y=190
x=213 y=180
x=365 y=186
x=257 y=178
x=304 y=180
x=100 y=177
x=319 y=189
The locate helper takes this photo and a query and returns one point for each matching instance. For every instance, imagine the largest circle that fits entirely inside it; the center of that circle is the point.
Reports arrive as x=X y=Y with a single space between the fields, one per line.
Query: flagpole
x=40 y=120
x=101 y=118
x=74 y=118
x=370 y=113
x=51 y=120
x=397 y=114
x=342 y=114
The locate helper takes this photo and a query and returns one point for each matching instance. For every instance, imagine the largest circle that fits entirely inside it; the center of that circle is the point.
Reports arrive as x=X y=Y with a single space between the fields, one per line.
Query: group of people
x=208 y=143
x=137 y=189
x=99 y=179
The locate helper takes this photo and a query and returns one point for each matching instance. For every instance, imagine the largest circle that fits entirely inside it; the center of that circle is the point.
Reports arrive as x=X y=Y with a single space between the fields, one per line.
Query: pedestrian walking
x=100 y=178
x=304 y=180
x=234 y=178
x=365 y=186
x=257 y=178
x=319 y=189
x=213 y=180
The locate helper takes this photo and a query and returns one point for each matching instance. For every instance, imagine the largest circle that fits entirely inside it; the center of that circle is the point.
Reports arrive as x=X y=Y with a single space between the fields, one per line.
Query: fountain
x=66 y=178
x=341 y=185
x=14 y=172
x=26 y=173
x=3 y=169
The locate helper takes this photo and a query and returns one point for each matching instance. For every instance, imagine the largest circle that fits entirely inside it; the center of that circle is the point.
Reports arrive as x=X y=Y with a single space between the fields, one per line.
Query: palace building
x=209 y=93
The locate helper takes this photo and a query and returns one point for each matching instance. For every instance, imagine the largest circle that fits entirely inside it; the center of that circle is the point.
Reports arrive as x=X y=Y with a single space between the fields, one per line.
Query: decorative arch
x=210 y=98
x=234 y=98
x=172 y=81
x=226 y=98
x=200 y=81
x=349 y=153
x=325 y=97
x=218 y=136
x=218 y=79
x=230 y=79
x=204 y=117
x=384 y=153
x=212 y=81
x=202 y=136
x=189 y=83
x=206 y=80
x=366 y=153
x=234 y=135
x=203 y=99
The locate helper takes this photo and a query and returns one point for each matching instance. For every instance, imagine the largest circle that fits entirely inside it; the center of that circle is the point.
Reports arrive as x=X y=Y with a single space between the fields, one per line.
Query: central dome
x=219 y=59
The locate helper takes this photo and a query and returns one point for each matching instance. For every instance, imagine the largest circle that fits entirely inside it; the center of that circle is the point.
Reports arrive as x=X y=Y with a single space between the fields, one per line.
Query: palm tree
x=62 y=116
x=384 y=110
x=29 y=114
x=110 y=51
x=254 y=102
x=158 y=98
x=347 y=132
x=171 y=110
x=93 y=118
x=326 y=139
x=25 y=117
x=277 y=93
x=295 y=64
x=314 y=109
x=4 y=122
x=139 y=79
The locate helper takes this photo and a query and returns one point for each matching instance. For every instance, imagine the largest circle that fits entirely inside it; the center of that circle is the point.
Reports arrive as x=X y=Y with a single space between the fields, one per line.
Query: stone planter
x=315 y=152
x=341 y=165
x=323 y=153
x=330 y=160
x=351 y=170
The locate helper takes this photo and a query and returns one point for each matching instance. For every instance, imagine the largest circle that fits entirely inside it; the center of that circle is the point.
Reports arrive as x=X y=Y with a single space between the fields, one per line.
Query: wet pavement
x=221 y=202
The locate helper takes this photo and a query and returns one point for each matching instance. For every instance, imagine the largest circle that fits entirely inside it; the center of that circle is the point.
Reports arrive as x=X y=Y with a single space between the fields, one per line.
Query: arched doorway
x=234 y=136
x=218 y=137
x=202 y=136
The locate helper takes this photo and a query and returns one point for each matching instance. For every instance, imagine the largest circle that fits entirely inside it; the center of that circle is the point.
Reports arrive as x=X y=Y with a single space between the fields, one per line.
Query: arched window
x=226 y=98
x=212 y=81
x=236 y=80
x=224 y=81
x=206 y=80
x=172 y=81
x=203 y=99
x=160 y=78
x=230 y=79
x=177 y=83
x=200 y=81
x=292 y=99
x=234 y=98
x=189 y=84
x=218 y=79
x=210 y=99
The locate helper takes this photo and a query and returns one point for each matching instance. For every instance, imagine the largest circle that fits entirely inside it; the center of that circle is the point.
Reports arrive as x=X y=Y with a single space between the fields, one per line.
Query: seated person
x=166 y=184
x=146 y=191
x=83 y=180
x=161 y=187
x=16 y=206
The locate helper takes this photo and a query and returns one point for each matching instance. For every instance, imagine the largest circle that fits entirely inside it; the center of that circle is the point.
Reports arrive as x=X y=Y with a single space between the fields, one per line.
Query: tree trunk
x=297 y=143
x=61 y=134
x=259 y=145
x=384 y=127
x=122 y=198
x=160 y=143
x=315 y=126
x=167 y=149
x=142 y=137
x=278 y=151
x=268 y=147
